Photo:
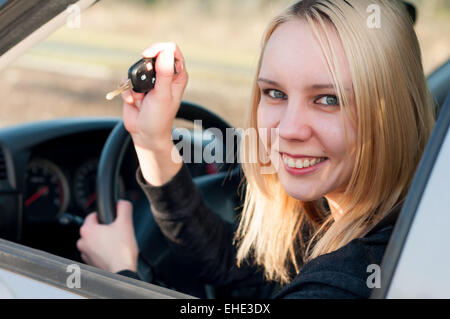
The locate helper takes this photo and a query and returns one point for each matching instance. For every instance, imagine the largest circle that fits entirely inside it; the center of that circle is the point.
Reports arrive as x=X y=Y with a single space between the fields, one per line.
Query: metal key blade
x=124 y=87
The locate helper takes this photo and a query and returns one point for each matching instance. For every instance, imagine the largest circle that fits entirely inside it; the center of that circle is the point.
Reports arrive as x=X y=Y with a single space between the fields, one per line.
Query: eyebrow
x=268 y=81
x=314 y=86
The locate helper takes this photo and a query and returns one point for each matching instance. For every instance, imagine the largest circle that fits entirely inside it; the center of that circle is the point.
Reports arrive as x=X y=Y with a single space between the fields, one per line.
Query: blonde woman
x=352 y=114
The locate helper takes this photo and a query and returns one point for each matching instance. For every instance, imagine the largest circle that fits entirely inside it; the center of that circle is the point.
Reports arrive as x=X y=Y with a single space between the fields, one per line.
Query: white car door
x=417 y=263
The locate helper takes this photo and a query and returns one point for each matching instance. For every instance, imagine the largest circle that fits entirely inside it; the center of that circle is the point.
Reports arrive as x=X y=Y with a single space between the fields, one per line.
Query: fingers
x=140 y=110
x=130 y=115
x=111 y=247
x=181 y=79
x=131 y=97
x=86 y=259
x=81 y=246
x=153 y=50
x=128 y=97
x=179 y=60
x=124 y=211
x=137 y=97
x=167 y=54
x=89 y=221
x=164 y=70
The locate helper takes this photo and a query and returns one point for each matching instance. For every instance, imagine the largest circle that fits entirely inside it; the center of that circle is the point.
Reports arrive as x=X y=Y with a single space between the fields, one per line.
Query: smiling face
x=316 y=156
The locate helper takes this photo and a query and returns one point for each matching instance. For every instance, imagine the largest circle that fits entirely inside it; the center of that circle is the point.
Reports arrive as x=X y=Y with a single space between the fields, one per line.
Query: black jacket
x=204 y=241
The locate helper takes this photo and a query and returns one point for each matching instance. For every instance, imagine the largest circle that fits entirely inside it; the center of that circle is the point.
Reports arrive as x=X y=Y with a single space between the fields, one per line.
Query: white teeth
x=291 y=162
x=306 y=163
x=301 y=163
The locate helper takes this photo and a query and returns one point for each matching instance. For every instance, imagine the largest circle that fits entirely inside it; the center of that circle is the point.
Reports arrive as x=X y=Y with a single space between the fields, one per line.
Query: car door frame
x=403 y=229
x=94 y=283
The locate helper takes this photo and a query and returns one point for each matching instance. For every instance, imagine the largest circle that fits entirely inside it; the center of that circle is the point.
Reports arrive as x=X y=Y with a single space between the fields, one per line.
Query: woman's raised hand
x=149 y=117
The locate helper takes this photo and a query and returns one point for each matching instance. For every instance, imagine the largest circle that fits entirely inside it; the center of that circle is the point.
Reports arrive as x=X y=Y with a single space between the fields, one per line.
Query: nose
x=295 y=123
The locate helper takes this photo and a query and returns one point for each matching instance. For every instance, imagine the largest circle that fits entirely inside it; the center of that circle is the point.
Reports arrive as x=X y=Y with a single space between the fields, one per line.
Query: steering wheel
x=118 y=142
x=155 y=257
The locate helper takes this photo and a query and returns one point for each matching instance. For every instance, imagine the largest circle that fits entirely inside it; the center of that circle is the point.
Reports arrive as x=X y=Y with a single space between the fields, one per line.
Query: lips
x=298 y=155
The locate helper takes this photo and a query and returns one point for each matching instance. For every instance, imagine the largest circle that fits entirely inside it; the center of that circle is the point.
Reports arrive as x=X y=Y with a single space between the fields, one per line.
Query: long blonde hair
x=394 y=121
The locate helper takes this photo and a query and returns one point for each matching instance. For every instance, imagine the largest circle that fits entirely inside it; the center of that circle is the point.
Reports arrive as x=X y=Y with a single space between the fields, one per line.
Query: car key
x=141 y=78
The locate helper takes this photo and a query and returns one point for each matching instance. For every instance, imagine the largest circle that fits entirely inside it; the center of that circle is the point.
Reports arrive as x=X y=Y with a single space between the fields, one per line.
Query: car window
x=69 y=73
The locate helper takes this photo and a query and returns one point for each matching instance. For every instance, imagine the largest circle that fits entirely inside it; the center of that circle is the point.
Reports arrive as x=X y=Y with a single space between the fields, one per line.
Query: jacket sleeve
x=343 y=273
x=196 y=234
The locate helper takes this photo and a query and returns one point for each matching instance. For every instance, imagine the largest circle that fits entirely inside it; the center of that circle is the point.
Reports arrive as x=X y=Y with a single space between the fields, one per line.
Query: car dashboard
x=48 y=179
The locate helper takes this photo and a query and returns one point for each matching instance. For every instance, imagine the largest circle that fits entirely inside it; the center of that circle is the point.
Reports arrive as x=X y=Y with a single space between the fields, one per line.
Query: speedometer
x=84 y=186
x=46 y=193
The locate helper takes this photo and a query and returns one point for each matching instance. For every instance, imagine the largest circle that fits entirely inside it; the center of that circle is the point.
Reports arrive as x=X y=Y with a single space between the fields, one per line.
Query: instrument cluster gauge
x=46 y=191
x=84 y=186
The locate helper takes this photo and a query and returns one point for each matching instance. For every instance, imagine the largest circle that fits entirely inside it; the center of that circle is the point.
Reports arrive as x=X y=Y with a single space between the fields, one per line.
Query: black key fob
x=142 y=75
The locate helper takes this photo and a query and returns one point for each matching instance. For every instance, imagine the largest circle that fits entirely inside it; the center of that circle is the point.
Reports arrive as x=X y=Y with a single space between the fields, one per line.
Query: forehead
x=294 y=54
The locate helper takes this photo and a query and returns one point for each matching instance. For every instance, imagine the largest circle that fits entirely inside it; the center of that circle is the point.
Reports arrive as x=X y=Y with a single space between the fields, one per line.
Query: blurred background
x=69 y=73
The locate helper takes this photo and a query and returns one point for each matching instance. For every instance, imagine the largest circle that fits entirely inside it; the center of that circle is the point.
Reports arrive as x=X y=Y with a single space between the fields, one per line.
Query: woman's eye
x=275 y=94
x=328 y=100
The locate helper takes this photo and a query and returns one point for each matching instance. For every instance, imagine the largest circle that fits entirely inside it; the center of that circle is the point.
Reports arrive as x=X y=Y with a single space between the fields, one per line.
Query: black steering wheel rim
x=118 y=142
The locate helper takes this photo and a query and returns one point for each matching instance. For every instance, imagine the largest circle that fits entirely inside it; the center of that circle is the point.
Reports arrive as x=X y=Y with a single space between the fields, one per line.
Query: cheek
x=334 y=138
x=267 y=117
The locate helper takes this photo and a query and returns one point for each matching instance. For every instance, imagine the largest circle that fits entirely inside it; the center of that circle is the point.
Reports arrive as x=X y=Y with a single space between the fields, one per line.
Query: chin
x=303 y=196
x=300 y=192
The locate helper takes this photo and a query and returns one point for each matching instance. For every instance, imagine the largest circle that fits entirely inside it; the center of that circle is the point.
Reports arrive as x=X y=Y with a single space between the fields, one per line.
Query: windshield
x=69 y=73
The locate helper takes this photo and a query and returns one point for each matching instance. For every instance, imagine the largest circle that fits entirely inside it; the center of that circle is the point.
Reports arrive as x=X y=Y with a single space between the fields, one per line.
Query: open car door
x=416 y=263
